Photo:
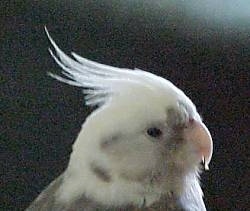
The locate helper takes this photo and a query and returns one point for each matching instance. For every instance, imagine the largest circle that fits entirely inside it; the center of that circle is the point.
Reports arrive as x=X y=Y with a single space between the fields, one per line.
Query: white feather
x=100 y=82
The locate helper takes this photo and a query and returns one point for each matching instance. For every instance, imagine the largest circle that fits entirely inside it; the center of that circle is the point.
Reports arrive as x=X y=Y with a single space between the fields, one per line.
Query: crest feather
x=99 y=81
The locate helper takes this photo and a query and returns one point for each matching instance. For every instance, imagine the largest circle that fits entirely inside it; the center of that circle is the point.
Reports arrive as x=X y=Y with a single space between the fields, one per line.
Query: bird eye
x=154 y=132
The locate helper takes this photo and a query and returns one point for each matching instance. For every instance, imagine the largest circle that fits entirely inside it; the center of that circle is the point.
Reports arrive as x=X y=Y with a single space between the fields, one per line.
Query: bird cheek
x=199 y=136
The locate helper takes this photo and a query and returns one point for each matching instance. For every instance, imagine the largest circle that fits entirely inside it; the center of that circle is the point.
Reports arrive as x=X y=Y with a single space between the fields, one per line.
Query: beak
x=200 y=137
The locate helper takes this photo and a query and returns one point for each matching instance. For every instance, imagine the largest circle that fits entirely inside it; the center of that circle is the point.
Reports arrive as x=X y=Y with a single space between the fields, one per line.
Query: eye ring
x=154 y=132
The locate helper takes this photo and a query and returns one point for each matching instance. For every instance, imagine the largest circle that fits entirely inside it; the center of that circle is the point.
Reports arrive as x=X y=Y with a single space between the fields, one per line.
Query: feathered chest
x=47 y=201
x=165 y=204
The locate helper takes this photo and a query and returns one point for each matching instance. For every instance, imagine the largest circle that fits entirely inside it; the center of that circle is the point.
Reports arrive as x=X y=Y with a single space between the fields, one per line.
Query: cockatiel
x=141 y=149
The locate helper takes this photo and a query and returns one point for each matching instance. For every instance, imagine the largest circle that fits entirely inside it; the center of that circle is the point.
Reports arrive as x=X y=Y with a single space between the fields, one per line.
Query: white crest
x=99 y=82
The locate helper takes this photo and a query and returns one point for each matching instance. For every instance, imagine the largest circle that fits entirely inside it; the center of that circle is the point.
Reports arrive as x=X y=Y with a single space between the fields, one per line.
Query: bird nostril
x=189 y=123
x=191 y=120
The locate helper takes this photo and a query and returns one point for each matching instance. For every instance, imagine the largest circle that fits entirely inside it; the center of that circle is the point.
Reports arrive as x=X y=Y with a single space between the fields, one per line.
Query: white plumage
x=140 y=148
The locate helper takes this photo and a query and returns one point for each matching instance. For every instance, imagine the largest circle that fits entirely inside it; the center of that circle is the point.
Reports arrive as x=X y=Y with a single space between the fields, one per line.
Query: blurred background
x=202 y=46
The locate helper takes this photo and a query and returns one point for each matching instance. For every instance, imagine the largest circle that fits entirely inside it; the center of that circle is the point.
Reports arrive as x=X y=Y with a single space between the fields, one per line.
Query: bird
x=143 y=147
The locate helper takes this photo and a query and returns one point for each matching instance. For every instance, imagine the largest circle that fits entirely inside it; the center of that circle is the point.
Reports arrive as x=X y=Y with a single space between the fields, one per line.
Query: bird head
x=142 y=140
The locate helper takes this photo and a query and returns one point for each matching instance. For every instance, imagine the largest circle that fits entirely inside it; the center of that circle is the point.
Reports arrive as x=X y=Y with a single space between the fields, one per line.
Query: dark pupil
x=154 y=132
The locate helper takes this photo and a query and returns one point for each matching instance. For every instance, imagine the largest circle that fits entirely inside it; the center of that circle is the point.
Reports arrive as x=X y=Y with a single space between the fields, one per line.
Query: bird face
x=150 y=146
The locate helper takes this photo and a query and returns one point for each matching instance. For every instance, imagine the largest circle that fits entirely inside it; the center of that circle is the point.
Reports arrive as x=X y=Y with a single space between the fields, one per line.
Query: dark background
x=201 y=46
